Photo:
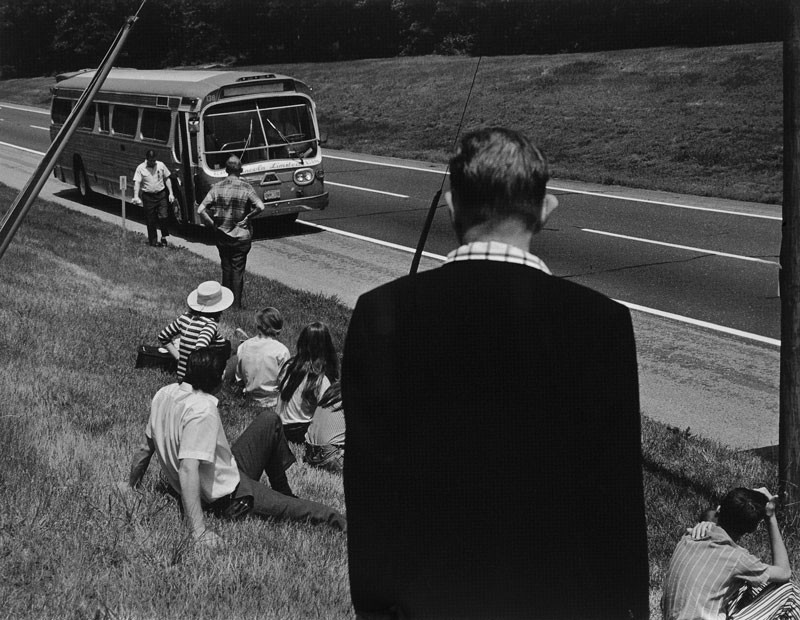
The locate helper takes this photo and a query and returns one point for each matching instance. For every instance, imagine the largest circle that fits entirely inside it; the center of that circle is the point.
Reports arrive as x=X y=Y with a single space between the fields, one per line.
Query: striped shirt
x=195 y=332
x=496 y=251
x=229 y=201
x=327 y=427
x=705 y=575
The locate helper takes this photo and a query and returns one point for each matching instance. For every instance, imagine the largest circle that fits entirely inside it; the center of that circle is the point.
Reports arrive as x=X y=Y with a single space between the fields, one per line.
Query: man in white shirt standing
x=151 y=188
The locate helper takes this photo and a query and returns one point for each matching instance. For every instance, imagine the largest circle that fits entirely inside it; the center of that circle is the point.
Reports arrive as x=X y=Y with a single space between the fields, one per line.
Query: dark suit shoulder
x=494 y=279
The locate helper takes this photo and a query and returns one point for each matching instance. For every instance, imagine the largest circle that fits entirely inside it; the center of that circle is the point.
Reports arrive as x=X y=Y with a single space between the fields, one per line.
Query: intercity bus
x=194 y=120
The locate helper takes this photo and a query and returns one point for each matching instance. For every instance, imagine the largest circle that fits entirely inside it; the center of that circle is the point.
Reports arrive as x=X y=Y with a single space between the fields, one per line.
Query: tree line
x=42 y=37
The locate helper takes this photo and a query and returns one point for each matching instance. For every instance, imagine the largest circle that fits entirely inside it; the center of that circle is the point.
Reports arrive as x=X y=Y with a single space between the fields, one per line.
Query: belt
x=161 y=191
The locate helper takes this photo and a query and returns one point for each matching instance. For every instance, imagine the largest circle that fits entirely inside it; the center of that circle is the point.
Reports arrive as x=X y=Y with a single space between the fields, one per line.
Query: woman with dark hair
x=304 y=379
x=199 y=326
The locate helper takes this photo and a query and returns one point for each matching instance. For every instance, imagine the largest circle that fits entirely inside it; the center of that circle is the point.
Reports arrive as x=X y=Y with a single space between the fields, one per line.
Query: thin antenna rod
x=423 y=238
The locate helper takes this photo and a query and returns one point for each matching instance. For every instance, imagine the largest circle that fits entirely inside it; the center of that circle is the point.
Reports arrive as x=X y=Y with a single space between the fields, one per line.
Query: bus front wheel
x=82 y=183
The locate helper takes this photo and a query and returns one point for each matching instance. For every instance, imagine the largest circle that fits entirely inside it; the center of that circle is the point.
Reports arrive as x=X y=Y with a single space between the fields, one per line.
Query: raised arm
x=780 y=571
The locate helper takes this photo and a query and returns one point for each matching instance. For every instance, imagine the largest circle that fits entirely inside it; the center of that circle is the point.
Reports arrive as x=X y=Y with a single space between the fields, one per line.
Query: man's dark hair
x=496 y=174
x=233 y=165
x=151 y=154
x=204 y=369
x=741 y=510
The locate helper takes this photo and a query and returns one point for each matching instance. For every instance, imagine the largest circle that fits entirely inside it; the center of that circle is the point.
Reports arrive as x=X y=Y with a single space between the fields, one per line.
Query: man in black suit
x=493 y=462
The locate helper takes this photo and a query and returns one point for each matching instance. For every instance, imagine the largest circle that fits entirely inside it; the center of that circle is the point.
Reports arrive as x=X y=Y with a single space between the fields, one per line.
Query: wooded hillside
x=42 y=37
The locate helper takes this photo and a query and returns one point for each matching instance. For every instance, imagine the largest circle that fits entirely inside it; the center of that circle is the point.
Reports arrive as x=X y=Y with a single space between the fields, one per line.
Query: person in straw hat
x=198 y=327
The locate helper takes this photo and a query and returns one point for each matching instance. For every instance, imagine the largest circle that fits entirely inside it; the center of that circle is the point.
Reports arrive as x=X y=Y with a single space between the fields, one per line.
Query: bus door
x=186 y=155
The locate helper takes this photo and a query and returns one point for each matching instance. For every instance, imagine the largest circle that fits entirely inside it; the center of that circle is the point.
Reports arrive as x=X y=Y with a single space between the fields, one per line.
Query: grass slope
x=705 y=121
x=78 y=299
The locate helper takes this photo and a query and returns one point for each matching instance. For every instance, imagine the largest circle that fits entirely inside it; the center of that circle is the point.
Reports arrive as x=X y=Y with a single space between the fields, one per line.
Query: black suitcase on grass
x=148 y=356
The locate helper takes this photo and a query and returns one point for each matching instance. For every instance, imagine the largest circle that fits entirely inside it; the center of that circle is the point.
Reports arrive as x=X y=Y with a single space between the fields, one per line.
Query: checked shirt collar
x=494 y=250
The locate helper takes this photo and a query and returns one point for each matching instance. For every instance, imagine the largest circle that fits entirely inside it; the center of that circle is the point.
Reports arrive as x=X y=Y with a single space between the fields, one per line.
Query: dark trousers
x=233 y=256
x=296 y=431
x=156 y=214
x=262 y=448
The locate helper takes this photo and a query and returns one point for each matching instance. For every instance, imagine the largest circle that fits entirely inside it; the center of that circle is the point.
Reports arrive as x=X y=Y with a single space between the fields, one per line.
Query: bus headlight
x=304 y=176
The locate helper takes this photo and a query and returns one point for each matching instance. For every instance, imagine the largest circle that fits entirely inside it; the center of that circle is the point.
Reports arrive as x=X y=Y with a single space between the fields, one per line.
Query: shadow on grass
x=679 y=480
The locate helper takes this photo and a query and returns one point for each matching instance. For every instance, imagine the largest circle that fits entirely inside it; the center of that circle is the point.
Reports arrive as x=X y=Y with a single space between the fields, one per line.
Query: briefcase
x=148 y=356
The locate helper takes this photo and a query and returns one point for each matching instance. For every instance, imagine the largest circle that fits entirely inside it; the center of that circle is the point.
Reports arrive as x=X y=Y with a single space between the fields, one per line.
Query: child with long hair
x=305 y=378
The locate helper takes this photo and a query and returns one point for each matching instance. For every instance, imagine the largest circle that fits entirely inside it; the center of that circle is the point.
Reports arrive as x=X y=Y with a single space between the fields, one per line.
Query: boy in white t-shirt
x=259 y=359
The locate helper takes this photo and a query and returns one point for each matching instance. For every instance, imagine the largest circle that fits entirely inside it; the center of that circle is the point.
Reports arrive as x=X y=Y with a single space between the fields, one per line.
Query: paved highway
x=720 y=385
x=705 y=260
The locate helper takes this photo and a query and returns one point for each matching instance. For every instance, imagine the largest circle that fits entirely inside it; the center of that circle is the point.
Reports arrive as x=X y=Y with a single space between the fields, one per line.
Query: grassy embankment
x=78 y=299
x=702 y=121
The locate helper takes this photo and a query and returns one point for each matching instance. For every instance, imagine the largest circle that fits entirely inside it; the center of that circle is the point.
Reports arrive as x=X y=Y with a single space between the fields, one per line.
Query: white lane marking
x=39 y=127
x=670 y=204
x=11 y=106
x=577 y=191
x=632 y=306
x=365 y=189
x=22 y=148
x=552 y=187
x=713 y=326
x=372 y=240
x=380 y=163
x=682 y=247
x=653 y=311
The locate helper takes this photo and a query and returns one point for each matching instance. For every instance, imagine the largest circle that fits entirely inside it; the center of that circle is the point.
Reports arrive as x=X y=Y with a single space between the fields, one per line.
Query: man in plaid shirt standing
x=227 y=208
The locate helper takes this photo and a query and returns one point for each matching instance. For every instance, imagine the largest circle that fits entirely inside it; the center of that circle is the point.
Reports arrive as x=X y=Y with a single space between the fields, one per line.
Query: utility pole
x=789 y=433
x=24 y=200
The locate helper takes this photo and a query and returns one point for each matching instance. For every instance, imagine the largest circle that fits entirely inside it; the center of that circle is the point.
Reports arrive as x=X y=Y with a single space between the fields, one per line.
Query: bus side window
x=124 y=120
x=61 y=110
x=156 y=124
x=102 y=114
x=87 y=122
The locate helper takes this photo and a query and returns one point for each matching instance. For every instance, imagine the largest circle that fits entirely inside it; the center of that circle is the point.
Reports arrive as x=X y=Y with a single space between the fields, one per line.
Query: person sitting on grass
x=711 y=576
x=304 y=379
x=199 y=326
x=185 y=431
x=259 y=359
x=325 y=435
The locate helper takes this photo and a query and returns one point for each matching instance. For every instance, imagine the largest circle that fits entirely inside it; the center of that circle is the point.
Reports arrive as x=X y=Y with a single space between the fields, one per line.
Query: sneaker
x=163 y=243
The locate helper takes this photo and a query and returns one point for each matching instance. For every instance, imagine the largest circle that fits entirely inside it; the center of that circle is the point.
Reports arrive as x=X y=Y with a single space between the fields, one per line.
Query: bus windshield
x=258 y=130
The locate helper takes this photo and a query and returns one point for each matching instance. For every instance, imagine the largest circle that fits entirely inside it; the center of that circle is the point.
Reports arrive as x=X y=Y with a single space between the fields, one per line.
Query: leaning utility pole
x=789 y=433
x=24 y=200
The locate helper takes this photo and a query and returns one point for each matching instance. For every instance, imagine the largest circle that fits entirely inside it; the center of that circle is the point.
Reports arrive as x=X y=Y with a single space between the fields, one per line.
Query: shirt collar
x=496 y=251
x=187 y=387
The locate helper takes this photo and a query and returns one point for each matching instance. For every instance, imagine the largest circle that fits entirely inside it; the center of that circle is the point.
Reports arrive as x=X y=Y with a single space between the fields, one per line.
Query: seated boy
x=711 y=576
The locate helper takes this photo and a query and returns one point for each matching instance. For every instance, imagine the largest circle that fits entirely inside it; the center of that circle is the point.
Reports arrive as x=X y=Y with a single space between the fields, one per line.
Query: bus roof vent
x=264 y=76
